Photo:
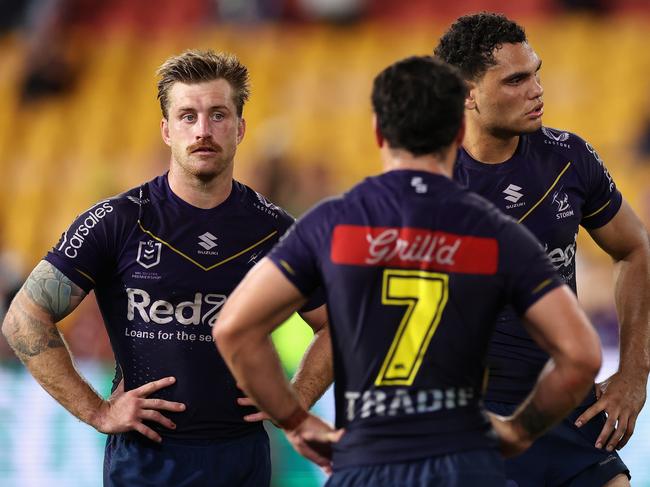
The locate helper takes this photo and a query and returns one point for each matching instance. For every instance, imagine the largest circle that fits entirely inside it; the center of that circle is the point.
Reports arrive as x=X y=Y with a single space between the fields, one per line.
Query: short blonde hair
x=197 y=66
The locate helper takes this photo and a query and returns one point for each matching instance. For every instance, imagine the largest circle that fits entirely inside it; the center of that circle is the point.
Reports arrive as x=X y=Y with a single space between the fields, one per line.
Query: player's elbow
x=10 y=327
x=224 y=333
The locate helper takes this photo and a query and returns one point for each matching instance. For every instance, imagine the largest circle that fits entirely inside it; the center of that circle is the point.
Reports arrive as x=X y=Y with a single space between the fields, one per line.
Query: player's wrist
x=295 y=419
x=96 y=416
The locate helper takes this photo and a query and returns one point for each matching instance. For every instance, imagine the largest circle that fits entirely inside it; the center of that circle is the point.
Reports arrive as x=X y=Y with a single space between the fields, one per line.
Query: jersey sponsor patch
x=409 y=247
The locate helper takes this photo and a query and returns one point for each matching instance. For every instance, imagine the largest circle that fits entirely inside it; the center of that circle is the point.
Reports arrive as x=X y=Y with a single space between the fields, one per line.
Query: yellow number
x=425 y=296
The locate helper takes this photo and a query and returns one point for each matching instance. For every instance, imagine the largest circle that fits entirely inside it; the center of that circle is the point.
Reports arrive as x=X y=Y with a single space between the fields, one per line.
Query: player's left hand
x=313 y=439
x=621 y=397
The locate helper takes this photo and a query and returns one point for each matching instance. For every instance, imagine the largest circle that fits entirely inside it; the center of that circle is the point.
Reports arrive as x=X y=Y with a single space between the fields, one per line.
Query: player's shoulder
x=471 y=204
x=123 y=206
x=260 y=207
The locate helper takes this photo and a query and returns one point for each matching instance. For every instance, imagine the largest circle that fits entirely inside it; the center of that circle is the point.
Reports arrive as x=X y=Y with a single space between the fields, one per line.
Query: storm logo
x=561 y=200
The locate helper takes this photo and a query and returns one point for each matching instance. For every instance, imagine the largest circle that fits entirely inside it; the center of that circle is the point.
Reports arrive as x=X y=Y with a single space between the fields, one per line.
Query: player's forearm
x=315 y=372
x=37 y=342
x=632 y=297
x=256 y=366
x=560 y=388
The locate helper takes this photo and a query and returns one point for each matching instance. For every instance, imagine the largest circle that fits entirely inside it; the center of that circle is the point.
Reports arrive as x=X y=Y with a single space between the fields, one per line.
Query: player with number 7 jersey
x=415 y=270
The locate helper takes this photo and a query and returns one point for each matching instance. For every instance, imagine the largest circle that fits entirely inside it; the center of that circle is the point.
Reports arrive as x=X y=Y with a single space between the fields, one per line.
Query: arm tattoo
x=53 y=291
x=533 y=420
x=31 y=333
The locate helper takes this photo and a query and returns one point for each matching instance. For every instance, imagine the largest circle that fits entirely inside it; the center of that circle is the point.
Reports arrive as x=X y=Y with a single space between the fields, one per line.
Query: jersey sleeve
x=317 y=297
x=297 y=255
x=528 y=272
x=602 y=198
x=86 y=250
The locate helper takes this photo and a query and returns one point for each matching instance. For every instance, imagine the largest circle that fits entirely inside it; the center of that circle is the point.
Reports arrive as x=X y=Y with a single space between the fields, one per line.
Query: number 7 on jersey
x=425 y=296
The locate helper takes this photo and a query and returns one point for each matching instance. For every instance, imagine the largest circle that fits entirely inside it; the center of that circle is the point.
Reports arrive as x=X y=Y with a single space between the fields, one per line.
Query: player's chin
x=531 y=125
x=209 y=169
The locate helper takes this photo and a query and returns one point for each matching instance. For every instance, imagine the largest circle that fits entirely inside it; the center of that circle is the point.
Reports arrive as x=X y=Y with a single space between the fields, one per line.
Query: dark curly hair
x=419 y=104
x=470 y=42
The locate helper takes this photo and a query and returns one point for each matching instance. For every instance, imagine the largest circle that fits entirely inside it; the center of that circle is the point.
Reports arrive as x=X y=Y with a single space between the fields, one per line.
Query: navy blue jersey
x=161 y=270
x=554 y=182
x=415 y=270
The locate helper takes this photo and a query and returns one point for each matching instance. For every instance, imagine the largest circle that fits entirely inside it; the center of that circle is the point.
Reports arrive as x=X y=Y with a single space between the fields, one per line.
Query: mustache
x=203 y=145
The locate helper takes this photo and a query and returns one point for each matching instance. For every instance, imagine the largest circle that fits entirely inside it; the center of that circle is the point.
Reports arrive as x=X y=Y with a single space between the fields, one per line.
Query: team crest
x=561 y=201
x=149 y=253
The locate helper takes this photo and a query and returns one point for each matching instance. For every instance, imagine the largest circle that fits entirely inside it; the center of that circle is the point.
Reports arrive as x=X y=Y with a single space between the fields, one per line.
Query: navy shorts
x=565 y=456
x=131 y=461
x=461 y=469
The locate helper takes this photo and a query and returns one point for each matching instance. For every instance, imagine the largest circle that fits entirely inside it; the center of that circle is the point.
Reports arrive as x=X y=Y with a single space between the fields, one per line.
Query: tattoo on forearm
x=533 y=420
x=32 y=336
x=52 y=290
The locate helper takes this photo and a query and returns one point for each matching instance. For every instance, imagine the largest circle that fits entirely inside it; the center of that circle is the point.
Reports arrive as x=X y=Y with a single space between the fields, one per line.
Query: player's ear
x=241 y=129
x=164 y=131
x=470 y=99
x=378 y=135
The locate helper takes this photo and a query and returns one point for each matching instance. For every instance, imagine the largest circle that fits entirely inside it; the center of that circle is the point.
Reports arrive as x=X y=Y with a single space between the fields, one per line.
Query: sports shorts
x=131 y=460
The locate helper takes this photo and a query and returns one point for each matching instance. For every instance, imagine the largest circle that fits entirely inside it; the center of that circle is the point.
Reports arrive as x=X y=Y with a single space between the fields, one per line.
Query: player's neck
x=489 y=148
x=398 y=159
x=202 y=193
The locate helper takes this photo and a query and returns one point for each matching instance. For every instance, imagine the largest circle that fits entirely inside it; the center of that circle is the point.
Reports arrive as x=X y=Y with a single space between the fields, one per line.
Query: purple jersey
x=161 y=270
x=554 y=182
x=415 y=270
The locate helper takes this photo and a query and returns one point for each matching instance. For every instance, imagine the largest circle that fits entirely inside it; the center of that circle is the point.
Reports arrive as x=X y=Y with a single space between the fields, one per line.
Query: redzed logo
x=414 y=248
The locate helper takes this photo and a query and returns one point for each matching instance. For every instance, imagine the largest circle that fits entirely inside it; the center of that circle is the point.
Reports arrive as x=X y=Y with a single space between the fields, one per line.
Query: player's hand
x=313 y=439
x=621 y=397
x=253 y=417
x=512 y=438
x=126 y=411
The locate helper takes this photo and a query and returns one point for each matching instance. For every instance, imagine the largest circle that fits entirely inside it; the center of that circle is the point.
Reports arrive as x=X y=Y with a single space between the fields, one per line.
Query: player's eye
x=217 y=116
x=189 y=117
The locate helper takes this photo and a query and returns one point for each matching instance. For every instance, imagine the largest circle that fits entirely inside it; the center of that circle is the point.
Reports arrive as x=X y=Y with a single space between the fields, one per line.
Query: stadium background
x=79 y=118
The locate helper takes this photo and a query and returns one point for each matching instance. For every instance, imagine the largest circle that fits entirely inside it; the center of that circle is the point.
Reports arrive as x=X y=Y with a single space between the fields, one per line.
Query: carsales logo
x=71 y=246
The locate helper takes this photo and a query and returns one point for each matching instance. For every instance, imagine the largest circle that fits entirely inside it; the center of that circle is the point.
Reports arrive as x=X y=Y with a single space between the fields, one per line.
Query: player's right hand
x=313 y=439
x=126 y=411
x=512 y=438
x=253 y=417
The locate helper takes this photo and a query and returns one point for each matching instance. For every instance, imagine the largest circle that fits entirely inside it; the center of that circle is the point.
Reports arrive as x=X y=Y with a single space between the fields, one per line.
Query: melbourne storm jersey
x=161 y=270
x=415 y=270
x=554 y=182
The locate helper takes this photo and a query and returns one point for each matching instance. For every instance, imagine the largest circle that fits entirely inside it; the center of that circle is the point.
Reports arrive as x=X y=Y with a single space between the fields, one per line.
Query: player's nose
x=202 y=127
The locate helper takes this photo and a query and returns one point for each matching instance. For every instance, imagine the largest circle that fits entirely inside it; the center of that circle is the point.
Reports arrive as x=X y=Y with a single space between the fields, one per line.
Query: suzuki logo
x=207 y=241
x=513 y=193
x=418 y=185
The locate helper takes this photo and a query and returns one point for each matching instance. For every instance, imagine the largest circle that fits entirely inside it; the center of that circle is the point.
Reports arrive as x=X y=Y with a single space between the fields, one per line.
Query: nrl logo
x=555 y=135
x=149 y=253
